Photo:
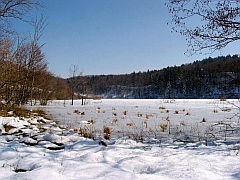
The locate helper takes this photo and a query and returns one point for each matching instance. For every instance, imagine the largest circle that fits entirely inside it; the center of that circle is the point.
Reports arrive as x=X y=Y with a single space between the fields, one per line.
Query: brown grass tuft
x=107 y=132
x=176 y=112
x=163 y=127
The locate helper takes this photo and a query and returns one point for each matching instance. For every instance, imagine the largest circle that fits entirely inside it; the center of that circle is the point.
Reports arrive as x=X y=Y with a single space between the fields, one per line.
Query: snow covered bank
x=126 y=159
x=36 y=148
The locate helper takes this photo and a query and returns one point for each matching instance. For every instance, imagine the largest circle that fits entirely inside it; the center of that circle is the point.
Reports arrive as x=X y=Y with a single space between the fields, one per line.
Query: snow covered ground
x=149 y=139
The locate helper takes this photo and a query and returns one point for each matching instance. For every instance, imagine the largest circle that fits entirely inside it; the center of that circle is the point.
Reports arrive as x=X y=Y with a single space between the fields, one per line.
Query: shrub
x=21 y=112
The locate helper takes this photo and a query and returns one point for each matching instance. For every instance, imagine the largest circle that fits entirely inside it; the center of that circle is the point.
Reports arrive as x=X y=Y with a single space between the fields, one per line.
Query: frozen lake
x=150 y=118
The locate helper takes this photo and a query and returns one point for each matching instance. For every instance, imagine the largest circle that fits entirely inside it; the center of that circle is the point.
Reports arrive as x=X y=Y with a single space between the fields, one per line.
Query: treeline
x=24 y=71
x=24 y=74
x=209 y=78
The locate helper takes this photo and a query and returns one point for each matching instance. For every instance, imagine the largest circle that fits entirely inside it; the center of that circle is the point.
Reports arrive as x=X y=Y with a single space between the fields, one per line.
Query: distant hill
x=208 y=78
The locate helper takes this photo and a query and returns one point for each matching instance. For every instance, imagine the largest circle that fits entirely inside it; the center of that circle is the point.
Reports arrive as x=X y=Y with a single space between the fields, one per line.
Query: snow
x=55 y=150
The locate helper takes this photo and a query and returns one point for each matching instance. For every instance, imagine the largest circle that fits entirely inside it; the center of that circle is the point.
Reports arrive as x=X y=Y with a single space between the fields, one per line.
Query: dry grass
x=163 y=127
x=106 y=132
x=147 y=116
x=162 y=107
x=91 y=121
x=76 y=111
x=21 y=112
x=129 y=124
x=114 y=121
x=166 y=118
x=139 y=114
x=86 y=132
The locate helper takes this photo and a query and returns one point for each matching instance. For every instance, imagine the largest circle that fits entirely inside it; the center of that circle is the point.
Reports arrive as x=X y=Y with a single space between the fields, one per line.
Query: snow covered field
x=146 y=139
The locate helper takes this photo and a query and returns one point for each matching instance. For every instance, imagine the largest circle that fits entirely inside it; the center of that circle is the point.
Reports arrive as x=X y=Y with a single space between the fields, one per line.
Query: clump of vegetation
x=166 y=118
x=91 y=121
x=86 y=132
x=40 y=112
x=3 y=113
x=8 y=110
x=139 y=114
x=106 y=132
x=163 y=127
x=76 y=111
x=114 y=121
x=147 y=116
x=98 y=109
x=129 y=124
x=16 y=111
x=21 y=112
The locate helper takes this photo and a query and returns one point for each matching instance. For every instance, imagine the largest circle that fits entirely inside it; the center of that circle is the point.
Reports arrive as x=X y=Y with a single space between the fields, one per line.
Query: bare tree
x=18 y=66
x=73 y=80
x=17 y=9
x=45 y=86
x=5 y=56
x=207 y=24
x=28 y=59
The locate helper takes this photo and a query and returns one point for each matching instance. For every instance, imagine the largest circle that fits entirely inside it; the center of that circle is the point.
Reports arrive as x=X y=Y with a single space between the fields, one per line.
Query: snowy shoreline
x=36 y=148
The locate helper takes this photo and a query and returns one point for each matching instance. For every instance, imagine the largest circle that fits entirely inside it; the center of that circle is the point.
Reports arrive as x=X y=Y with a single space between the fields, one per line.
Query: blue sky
x=113 y=37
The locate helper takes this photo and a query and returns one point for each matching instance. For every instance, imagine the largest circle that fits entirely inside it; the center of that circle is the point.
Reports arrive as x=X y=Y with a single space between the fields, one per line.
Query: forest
x=209 y=78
